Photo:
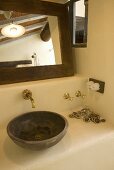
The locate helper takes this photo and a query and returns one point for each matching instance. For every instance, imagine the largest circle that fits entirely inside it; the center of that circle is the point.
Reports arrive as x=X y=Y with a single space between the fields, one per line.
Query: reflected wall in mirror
x=38 y=46
x=79 y=18
x=62 y=65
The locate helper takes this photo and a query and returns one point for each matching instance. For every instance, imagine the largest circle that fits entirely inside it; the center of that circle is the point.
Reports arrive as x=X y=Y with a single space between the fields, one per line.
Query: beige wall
x=97 y=60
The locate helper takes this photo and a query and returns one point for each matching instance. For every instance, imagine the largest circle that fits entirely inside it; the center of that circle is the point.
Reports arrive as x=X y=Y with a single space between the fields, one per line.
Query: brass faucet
x=27 y=95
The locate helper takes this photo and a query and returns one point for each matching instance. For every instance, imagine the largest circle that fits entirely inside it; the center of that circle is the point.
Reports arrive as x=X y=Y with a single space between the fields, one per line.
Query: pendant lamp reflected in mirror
x=13 y=31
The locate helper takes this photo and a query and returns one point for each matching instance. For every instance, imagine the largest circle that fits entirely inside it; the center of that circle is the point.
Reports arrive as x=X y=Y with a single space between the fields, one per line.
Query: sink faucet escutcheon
x=27 y=95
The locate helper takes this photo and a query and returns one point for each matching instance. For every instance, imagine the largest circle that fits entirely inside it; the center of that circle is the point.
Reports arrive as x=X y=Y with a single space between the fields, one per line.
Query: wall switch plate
x=101 y=83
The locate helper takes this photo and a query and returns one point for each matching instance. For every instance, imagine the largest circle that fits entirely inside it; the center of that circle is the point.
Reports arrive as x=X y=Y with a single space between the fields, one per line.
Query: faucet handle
x=67 y=96
x=79 y=94
x=27 y=94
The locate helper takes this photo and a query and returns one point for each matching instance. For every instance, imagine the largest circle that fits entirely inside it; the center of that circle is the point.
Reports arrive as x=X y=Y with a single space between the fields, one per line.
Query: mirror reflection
x=28 y=40
x=79 y=19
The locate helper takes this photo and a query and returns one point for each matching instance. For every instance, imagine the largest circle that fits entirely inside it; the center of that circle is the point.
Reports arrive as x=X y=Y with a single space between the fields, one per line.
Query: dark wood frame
x=71 y=19
x=14 y=75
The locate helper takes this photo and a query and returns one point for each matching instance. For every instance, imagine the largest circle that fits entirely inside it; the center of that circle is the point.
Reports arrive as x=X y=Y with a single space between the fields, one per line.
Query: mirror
x=38 y=46
x=64 y=67
x=79 y=21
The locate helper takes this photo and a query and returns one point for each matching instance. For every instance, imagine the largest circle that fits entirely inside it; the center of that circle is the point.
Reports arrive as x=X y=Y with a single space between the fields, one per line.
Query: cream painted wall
x=97 y=60
x=24 y=48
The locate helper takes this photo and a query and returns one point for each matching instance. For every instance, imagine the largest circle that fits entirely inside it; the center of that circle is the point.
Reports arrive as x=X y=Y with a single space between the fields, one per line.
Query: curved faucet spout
x=32 y=102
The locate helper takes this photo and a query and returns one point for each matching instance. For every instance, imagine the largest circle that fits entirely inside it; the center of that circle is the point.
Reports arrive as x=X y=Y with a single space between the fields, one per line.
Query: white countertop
x=79 y=135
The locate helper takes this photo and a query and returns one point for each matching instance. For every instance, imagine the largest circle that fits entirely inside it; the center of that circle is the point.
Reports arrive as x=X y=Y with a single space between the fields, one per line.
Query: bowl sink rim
x=40 y=141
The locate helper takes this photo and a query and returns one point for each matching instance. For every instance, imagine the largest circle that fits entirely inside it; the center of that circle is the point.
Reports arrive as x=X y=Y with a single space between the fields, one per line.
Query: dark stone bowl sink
x=37 y=130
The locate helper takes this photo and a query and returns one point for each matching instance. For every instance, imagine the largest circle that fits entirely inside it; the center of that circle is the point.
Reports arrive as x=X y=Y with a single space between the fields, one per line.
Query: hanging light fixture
x=12 y=30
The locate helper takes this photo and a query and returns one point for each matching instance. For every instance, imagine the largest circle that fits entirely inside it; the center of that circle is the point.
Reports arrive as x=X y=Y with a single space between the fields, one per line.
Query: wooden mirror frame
x=14 y=75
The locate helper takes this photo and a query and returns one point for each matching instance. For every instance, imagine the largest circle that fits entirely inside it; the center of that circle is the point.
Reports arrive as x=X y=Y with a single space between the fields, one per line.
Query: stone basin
x=37 y=130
